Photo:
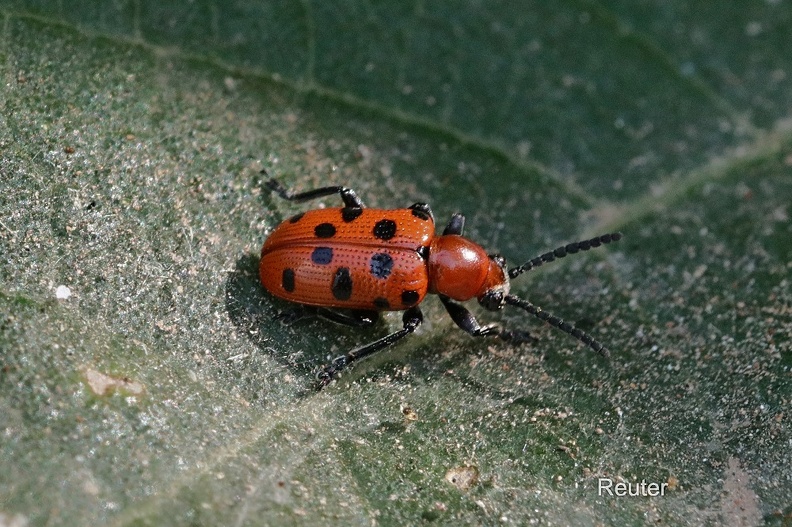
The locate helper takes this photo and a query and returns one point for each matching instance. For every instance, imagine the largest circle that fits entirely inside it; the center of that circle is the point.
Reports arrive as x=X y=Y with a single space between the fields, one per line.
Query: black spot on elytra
x=381 y=265
x=385 y=229
x=325 y=230
x=296 y=217
x=287 y=280
x=422 y=211
x=342 y=284
x=409 y=297
x=381 y=303
x=351 y=213
x=322 y=255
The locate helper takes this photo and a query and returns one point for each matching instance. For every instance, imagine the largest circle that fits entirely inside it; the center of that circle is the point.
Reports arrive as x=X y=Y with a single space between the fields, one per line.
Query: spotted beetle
x=350 y=263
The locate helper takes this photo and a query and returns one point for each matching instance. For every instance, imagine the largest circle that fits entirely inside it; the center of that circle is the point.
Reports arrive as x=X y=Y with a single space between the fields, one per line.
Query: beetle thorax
x=461 y=269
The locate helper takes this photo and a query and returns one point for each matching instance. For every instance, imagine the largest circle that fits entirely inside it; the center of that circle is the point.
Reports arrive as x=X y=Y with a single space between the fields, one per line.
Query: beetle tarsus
x=331 y=371
x=516 y=336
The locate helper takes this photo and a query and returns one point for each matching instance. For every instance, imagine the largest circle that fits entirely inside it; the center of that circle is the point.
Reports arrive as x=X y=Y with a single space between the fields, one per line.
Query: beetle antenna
x=556 y=322
x=562 y=251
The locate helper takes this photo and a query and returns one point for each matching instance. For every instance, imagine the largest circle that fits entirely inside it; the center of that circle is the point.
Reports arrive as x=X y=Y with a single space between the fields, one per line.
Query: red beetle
x=347 y=264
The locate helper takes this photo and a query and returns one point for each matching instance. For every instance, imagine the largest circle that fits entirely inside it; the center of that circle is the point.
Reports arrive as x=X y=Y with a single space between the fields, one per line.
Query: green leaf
x=143 y=380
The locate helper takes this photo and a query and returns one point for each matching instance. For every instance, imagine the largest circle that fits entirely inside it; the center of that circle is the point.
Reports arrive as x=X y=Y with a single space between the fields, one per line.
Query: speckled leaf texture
x=145 y=381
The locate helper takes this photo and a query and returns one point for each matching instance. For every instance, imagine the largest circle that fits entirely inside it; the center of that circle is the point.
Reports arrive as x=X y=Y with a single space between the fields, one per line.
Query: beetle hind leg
x=412 y=319
x=348 y=196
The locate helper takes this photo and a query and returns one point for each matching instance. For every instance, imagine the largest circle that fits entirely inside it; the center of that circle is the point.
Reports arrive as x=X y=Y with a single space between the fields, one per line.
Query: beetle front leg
x=412 y=319
x=465 y=320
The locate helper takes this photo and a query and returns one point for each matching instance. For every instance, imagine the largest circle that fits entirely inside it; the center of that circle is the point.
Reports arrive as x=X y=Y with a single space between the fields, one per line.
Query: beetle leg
x=358 y=318
x=465 y=320
x=456 y=225
x=351 y=200
x=422 y=210
x=293 y=314
x=412 y=319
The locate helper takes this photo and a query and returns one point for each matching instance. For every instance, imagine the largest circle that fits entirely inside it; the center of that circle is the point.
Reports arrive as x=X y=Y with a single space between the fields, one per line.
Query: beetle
x=350 y=263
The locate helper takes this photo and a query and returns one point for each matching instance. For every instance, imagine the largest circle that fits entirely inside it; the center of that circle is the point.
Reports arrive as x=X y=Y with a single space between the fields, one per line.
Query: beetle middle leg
x=411 y=319
x=463 y=318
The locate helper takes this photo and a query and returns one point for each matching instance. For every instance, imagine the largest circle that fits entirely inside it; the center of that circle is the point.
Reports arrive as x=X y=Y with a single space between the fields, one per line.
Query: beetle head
x=496 y=285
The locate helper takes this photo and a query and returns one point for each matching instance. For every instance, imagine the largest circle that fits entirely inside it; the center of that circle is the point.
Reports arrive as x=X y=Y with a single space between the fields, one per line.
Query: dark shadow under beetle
x=255 y=315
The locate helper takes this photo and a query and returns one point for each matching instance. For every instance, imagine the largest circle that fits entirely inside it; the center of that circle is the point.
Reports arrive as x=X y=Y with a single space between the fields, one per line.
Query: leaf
x=144 y=381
